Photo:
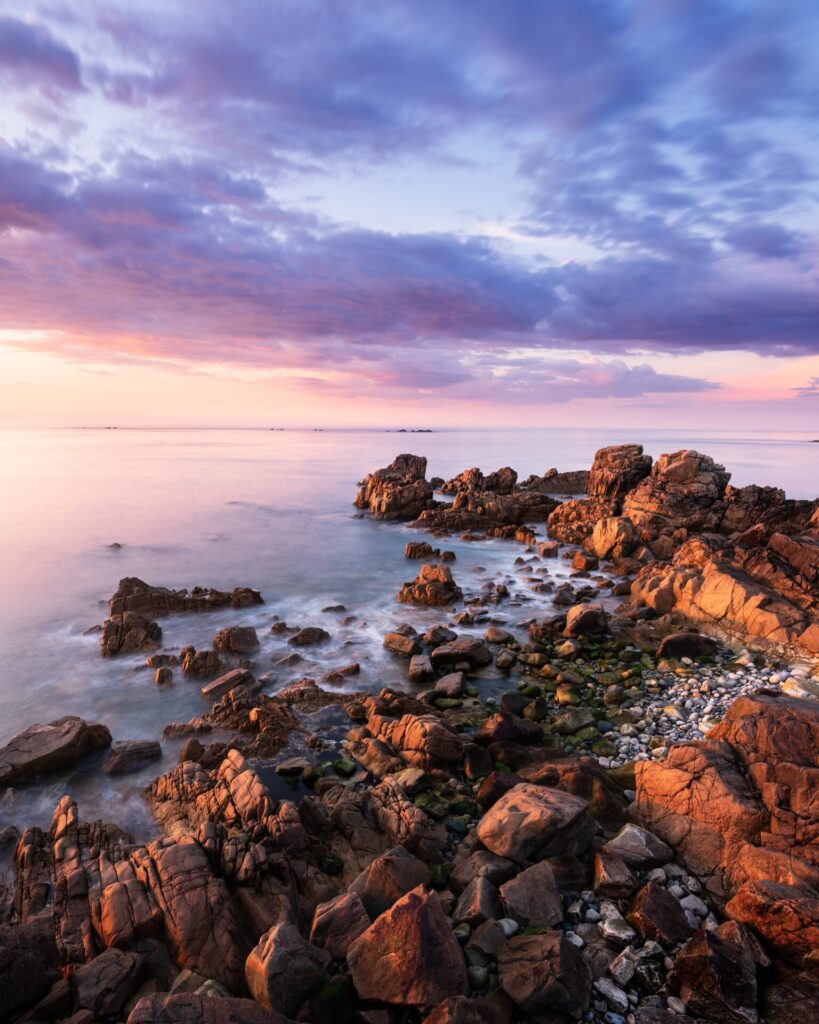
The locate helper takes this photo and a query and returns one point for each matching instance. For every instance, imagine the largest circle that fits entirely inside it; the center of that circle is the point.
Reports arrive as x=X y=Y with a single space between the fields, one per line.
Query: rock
x=284 y=970
x=468 y=650
x=134 y=595
x=387 y=878
x=686 y=645
x=309 y=636
x=683 y=489
x=496 y=635
x=586 y=619
x=613 y=537
x=338 y=923
x=45 y=749
x=404 y=646
x=420 y=549
x=433 y=586
x=420 y=669
x=188 y=1008
x=163 y=676
x=533 y=820
x=409 y=955
x=658 y=916
x=451 y=685
x=229 y=681
x=639 y=848
x=104 y=985
x=584 y=562
x=716 y=979
x=612 y=877
x=477 y=903
x=490 y=1009
x=28 y=963
x=201 y=664
x=236 y=640
x=129 y=633
x=542 y=974
x=784 y=916
x=130 y=755
x=506 y=728
x=399 y=491
x=532 y=898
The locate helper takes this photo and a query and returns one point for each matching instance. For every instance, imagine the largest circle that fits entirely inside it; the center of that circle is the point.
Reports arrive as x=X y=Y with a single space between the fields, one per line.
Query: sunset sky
x=409 y=212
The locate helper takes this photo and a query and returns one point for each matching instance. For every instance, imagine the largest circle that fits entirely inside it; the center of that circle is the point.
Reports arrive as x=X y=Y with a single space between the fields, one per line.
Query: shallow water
x=266 y=509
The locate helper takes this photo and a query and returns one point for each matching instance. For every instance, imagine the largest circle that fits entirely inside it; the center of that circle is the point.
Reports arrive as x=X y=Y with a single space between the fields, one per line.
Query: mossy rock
x=345 y=767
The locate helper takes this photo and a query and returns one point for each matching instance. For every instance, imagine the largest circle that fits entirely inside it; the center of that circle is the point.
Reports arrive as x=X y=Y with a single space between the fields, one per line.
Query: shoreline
x=499 y=713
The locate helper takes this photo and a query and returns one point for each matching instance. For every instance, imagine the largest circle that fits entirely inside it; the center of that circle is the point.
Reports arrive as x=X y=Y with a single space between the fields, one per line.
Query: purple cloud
x=29 y=53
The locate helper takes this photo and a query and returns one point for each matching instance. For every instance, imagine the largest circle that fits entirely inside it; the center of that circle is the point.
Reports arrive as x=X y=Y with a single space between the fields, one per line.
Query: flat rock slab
x=42 y=749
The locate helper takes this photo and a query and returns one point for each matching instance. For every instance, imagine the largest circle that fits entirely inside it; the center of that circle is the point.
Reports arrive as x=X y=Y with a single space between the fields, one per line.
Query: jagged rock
x=28 y=963
x=284 y=970
x=493 y=1008
x=104 y=985
x=43 y=749
x=613 y=537
x=502 y=481
x=573 y=481
x=531 y=821
x=683 y=489
x=716 y=979
x=129 y=633
x=237 y=640
x=399 y=491
x=533 y=898
x=785 y=916
x=477 y=903
x=470 y=651
x=402 y=645
x=545 y=973
x=481 y=510
x=433 y=585
x=339 y=922
x=639 y=848
x=409 y=955
x=134 y=595
x=387 y=878
x=420 y=669
x=308 y=636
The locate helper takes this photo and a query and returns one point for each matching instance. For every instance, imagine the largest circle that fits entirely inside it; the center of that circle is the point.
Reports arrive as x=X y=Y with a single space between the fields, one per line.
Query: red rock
x=338 y=923
x=389 y=877
x=134 y=595
x=284 y=970
x=716 y=979
x=104 y=985
x=434 y=585
x=543 y=974
x=400 y=491
x=187 y=1008
x=129 y=633
x=586 y=619
x=533 y=898
x=784 y=916
x=494 y=1008
x=469 y=650
x=404 y=646
x=409 y=955
x=236 y=640
x=533 y=820
x=613 y=537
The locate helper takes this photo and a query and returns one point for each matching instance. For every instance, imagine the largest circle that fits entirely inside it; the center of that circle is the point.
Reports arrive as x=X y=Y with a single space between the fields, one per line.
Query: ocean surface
x=261 y=508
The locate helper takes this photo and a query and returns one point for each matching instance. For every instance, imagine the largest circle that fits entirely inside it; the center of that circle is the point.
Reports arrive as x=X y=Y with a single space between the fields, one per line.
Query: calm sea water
x=266 y=509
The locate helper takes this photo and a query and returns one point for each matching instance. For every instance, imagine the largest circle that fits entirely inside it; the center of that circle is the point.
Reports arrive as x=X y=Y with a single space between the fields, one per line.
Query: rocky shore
x=609 y=814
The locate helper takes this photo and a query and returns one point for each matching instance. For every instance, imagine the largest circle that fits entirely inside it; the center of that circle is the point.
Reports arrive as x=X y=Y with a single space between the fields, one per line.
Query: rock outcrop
x=135 y=595
x=44 y=749
x=434 y=585
x=399 y=491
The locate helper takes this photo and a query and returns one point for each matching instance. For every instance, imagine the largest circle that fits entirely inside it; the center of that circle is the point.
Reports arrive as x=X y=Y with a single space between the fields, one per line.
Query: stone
x=420 y=669
x=387 y=878
x=283 y=970
x=105 y=984
x=434 y=585
x=639 y=848
x=229 y=681
x=613 y=537
x=129 y=633
x=28 y=963
x=477 y=903
x=545 y=973
x=309 y=636
x=469 y=650
x=657 y=915
x=131 y=755
x=533 y=898
x=45 y=749
x=237 y=640
x=189 y=1008
x=134 y=595
x=530 y=820
x=402 y=645
x=399 y=491
x=686 y=645
x=585 y=620
x=409 y=955
x=338 y=923
x=786 y=917
x=716 y=979
x=451 y=685
x=613 y=879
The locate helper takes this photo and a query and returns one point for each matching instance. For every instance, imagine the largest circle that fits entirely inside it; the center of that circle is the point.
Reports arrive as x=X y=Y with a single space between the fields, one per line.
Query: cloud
x=29 y=54
x=809 y=390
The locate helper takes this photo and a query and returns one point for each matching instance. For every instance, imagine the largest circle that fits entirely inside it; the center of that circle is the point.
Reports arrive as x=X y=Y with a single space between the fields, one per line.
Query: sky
x=410 y=213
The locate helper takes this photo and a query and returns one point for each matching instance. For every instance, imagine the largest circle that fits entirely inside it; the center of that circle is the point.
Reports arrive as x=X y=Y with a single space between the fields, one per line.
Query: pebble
x=676 y=1005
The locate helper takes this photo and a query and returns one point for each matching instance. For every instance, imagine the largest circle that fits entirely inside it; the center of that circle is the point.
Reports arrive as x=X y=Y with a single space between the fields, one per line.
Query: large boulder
x=545 y=973
x=613 y=537
x=586 y=619
x=409 y=956
x=530 y=822
x=399 y=491
x=44 y=749
x=284 y=970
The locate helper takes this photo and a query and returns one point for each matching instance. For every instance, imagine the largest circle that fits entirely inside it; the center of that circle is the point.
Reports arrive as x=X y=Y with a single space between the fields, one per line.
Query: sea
x=264 y=508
